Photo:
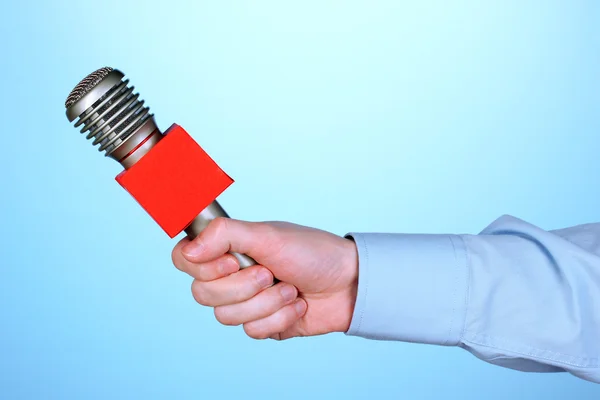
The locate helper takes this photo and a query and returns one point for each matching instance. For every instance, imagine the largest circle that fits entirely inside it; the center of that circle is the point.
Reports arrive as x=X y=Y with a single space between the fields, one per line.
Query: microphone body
x=168 y=174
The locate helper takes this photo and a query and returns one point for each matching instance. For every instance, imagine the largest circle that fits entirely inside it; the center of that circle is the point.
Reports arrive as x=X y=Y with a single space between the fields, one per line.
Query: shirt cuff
x=411 y=288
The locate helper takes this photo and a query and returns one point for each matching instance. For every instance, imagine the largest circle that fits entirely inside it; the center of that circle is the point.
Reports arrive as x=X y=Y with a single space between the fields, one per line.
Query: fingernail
x=299 y=306
x=193 y=249
x=264 y=278
x=287 y=292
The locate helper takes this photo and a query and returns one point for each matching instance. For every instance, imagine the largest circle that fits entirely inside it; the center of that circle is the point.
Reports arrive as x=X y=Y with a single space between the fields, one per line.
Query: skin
x=317 y=270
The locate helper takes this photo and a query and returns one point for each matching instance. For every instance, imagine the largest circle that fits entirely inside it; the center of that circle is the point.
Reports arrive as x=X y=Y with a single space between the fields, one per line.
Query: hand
x=318 y=273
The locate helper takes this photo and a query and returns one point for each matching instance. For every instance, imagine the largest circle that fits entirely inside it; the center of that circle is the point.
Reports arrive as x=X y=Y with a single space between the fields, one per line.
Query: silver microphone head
x=87 y=84
x=111 y=114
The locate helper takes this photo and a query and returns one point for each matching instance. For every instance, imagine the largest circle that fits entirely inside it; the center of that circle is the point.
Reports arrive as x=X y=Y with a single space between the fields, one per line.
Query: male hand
x=318 y=273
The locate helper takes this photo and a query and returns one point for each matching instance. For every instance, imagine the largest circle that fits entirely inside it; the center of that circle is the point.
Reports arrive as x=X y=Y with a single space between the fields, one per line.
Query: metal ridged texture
x=114 y=116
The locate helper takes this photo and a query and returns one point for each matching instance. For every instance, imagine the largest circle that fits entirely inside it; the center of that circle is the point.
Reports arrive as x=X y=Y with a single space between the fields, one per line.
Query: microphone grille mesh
x=86 y=84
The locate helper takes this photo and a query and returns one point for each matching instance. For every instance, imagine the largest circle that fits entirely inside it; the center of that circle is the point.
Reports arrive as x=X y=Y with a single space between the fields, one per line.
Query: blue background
x=422 y=117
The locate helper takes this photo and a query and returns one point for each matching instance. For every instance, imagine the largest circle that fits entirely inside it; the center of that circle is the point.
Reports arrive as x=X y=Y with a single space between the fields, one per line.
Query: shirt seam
x=362 y=311
x=468 y=266
x=454 y=293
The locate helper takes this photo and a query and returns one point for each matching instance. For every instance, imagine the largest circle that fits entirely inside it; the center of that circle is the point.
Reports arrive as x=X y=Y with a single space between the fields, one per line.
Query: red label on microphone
x=175 y=181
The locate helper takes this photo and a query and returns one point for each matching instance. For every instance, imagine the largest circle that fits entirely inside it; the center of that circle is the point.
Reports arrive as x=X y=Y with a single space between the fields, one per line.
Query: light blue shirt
x=515 y=295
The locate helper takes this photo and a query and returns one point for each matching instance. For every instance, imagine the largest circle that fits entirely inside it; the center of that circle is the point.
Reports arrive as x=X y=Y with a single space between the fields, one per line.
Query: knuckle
x=199 y=293
x=220 y=224
x=238 y=290
x=243 y=286
x=203 y=272
x=224 y=317
x=279 y=321
x=253 y=331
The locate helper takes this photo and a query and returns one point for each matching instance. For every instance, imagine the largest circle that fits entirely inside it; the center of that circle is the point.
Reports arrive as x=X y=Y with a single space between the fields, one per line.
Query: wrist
x=350 y=291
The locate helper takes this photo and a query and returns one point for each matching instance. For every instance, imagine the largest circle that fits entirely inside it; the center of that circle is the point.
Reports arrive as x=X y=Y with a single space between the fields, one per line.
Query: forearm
x=514 y=295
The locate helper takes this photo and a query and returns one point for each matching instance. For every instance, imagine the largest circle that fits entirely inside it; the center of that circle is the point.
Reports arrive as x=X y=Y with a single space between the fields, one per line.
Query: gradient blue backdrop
x=423 y=117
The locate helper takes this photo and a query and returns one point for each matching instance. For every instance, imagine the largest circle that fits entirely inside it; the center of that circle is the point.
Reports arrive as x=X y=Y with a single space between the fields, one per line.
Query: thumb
x=224 y=235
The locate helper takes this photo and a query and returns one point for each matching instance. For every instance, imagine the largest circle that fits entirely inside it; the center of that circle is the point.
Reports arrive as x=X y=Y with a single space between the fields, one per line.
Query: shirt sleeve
x=514 y=295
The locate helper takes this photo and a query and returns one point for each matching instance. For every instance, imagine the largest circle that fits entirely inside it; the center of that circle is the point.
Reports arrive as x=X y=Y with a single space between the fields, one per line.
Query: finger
x=208 y=271
x=224 y=235
x=278 y=322
x=234 y=288
x=260 y=306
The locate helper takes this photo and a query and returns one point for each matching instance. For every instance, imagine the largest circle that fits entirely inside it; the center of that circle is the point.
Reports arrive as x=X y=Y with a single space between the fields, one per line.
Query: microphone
x=168 y=173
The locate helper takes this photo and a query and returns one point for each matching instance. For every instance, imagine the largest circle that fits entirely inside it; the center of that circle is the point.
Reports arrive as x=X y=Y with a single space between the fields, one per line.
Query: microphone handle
x=214 y=210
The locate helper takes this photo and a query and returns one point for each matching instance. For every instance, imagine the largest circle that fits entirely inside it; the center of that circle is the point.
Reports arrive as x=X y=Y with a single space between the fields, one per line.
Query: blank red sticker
x=175 y=181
